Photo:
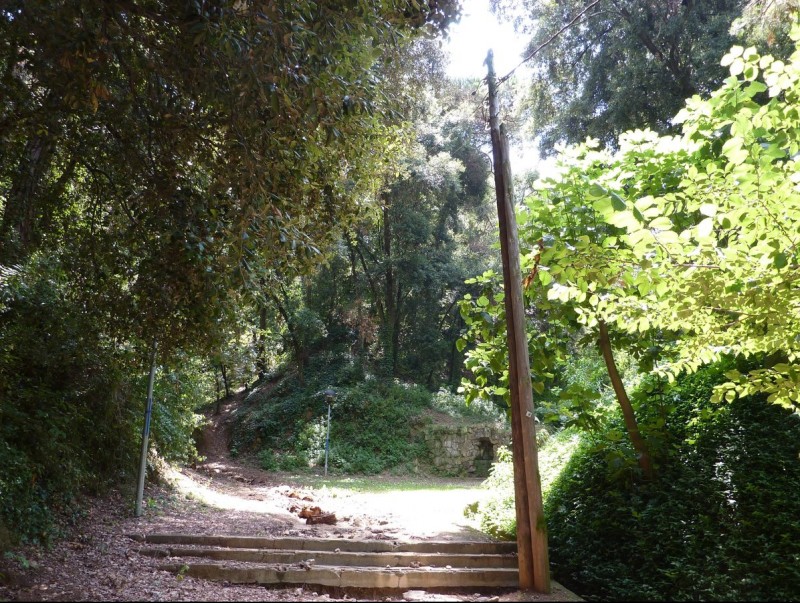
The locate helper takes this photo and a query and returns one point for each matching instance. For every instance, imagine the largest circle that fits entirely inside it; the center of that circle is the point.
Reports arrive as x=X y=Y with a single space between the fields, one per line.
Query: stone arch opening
x=485 y=450
x=483 y=461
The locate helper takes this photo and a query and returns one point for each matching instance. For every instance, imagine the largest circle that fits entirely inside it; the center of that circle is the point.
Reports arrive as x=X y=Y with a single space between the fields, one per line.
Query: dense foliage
x=679 y=252
x=682 y=248
x=377 y=424
x=619 y=64
x=719 y=524
x=160 y=164
x=388 y=289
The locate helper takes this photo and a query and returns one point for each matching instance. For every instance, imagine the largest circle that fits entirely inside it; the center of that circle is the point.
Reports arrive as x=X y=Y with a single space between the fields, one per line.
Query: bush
x=382 y=437
x=720 y=521
x=496 y=513
x=267 y=460
x=73 y=401
x=456 y=405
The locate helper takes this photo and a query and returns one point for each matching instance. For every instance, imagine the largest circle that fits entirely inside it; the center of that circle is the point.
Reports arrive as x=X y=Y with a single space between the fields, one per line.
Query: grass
x=383 y=483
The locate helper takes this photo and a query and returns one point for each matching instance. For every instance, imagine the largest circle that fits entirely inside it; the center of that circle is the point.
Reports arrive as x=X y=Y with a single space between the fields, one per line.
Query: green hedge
x=721 y=522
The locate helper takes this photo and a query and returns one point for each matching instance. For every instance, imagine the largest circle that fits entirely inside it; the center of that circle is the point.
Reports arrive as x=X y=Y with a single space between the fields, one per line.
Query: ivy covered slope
x=158 y=162
x=378 y=424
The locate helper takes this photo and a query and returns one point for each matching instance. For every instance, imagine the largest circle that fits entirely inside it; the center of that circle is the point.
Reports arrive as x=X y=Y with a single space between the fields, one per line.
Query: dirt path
x=435 y=512
x=97 y=560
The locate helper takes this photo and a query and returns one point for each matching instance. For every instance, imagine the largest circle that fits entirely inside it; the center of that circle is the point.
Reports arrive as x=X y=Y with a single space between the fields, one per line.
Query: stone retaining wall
x=465 y=449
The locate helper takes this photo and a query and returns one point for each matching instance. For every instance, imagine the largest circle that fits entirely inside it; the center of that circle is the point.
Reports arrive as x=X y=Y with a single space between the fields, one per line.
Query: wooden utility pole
x=534 y=564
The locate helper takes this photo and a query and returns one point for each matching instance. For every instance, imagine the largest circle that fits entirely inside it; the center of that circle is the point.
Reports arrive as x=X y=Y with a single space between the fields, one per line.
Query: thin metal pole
x=534 y=567
x=146 y=432
x=328 y=438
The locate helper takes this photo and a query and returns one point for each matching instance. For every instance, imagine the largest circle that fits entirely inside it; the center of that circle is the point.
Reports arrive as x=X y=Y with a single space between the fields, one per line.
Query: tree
x=408 y=257
x=199 y=144
x=689 y=242
x=158 y=162
x=624 y=64
x=714 y=254
x=763 y=22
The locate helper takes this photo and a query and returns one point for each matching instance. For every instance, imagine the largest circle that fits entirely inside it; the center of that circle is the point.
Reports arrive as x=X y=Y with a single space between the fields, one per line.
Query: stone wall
x=465 y=449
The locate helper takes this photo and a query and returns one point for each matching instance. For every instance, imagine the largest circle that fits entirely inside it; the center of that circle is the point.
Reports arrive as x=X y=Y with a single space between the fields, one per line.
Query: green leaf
x=595 y=191
x=734 y=151
x=617 y=202
x=780 y=260
x=624 y=219
x=708 y=209
x=662 y=223
x=603 y=206
x=704 y=228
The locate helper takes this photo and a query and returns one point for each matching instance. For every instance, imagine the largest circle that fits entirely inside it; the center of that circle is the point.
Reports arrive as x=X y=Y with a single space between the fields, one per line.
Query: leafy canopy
x=623 y=64
x=689 y=241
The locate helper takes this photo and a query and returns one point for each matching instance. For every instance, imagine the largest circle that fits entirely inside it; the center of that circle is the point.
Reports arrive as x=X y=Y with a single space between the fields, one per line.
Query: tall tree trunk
x=218 y=409
x=645 y=462
x=18 y=228
x=300 y=355
x=396 y=330
x=225 y=379
x=372 y=286
x=390 y=304
x=261 y=347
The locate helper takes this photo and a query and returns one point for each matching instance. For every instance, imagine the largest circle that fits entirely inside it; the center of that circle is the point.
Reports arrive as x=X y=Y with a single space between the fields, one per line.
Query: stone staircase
x=336 y=563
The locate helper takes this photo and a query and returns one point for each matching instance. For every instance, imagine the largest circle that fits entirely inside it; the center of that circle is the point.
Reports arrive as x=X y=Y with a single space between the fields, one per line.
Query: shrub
x=720 y=521
x=496 y=513
x=72 y=401
x=456 y=405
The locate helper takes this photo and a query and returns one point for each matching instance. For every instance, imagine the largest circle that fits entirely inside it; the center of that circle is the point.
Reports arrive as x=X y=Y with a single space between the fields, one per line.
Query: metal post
x=329 y=394
x=534 y=567
x=328 y=437
x=146 y=432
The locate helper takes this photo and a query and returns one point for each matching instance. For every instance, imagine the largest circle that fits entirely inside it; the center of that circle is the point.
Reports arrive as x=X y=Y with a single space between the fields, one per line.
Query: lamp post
x=329 y=397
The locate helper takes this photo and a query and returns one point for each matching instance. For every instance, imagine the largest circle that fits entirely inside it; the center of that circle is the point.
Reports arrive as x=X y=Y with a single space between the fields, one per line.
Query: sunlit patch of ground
x=405 y=508
x=251 y=499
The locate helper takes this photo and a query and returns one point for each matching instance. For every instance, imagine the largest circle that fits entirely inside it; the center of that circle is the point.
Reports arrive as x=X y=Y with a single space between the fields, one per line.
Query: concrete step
x=337 y=563
x=331 y=544
x=340 y=558
x=351 y=577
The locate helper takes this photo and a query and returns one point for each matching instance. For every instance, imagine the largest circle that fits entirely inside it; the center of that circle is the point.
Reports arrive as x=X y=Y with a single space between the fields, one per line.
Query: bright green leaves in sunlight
x=690 y=241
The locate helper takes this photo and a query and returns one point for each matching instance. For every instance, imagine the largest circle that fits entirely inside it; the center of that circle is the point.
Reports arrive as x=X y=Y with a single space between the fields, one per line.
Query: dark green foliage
x=373 y=430
x=372 y=427
x=158 y=162
x=719 y=522
x=626 y=64
x=72 y=402
x=23 y=501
